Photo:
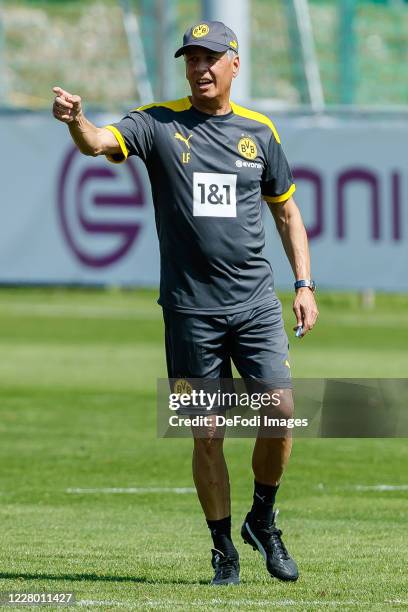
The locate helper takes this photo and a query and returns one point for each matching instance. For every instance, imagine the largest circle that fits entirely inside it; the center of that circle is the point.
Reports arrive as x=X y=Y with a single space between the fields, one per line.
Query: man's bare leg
x=211 y=477
x=271 y=455
x=269 y=460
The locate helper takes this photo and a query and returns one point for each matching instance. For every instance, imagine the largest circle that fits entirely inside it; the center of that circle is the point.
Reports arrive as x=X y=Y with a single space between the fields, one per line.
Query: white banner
x=67 y=218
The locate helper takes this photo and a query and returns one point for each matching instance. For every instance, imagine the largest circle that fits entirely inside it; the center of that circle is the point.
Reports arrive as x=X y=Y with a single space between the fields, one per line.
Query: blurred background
x=81 y=335
x=300 y=53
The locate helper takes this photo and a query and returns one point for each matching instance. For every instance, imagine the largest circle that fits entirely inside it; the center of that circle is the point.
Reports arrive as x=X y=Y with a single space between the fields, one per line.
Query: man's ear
x=235 y=66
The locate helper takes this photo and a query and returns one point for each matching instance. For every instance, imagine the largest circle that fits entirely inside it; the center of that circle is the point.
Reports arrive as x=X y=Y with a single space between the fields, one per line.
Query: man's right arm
x=89 y=139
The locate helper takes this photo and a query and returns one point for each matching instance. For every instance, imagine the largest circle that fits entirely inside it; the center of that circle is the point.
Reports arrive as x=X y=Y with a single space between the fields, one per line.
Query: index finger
x=61 y=92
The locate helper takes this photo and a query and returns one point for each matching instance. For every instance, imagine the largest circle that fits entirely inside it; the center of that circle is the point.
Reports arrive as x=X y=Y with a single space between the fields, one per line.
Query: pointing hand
x=66 y=107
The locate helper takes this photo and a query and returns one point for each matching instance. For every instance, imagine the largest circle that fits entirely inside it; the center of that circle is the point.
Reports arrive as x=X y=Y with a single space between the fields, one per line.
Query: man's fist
x=66 y=107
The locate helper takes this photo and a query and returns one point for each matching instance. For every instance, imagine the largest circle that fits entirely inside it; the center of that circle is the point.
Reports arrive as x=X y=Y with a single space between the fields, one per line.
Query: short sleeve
x=134 y=134
x=277 y=182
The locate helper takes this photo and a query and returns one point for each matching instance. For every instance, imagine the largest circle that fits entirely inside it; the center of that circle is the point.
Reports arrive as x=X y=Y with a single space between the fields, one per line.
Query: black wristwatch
x=305 y=283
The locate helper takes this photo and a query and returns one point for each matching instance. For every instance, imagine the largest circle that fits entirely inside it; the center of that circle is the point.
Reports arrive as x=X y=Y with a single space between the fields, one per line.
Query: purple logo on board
x=89 y=194
x=384 y=199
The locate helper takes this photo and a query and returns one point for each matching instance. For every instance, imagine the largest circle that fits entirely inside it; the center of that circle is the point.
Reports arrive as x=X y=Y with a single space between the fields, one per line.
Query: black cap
x=212 y=35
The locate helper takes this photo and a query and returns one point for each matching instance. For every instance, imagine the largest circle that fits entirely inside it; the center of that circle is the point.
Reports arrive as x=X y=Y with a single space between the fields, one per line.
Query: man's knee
x=281 y=404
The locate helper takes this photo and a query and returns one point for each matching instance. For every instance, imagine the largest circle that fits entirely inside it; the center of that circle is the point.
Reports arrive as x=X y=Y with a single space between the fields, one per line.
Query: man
x=210 y=161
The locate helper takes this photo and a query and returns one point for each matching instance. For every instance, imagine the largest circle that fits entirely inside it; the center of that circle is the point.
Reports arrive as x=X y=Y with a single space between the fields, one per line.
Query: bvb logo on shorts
x=200 y=30
x=247 y=148
x=181 y=385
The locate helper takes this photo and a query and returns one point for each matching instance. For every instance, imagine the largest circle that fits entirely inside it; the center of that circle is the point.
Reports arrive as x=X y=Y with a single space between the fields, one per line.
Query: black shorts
x=203 y=346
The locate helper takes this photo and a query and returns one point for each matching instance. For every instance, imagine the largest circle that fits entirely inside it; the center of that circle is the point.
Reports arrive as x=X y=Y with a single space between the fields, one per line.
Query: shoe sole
x=249 y=538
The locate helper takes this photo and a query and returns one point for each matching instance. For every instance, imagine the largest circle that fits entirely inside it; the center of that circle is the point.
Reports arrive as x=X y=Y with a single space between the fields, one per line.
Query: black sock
x=264 y=499
x=221 y=535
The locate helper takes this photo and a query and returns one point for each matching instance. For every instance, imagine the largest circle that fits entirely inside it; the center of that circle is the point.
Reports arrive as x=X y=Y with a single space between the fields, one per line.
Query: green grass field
x=78 y=377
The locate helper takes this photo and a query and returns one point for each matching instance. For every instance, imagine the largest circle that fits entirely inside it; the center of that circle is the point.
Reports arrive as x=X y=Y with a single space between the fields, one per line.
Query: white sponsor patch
x=214 y=195
x=240 y=163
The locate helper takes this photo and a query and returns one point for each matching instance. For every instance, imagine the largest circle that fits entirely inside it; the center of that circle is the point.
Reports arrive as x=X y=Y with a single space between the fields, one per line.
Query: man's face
x=209 y=73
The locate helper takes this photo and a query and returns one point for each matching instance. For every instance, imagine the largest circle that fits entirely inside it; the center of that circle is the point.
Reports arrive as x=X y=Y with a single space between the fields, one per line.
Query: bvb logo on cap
x=247 y=148
x=200 y=30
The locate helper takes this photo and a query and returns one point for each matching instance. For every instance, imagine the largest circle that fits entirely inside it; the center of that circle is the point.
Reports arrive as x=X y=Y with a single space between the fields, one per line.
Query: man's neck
x=212 y=107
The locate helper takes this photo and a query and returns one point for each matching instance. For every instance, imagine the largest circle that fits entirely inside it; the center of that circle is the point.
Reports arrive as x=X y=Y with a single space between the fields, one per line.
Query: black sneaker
x=226 y=568
x=267 y=539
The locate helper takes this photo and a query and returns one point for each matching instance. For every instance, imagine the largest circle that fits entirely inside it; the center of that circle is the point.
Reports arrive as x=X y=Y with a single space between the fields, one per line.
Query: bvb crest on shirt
x=247 y=148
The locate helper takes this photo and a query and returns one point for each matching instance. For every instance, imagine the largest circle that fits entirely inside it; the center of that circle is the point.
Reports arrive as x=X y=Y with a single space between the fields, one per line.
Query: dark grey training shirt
x=208 y=174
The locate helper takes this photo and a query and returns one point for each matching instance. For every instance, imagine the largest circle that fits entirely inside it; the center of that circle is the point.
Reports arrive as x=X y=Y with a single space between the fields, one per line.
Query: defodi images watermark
x=303 y=407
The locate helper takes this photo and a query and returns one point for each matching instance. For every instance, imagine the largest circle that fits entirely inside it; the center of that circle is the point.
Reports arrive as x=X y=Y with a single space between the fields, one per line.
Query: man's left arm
x=292 y=231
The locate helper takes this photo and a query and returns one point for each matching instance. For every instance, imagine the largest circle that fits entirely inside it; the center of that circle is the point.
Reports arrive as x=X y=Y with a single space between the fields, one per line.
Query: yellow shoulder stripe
x=122 y=145
x=280 y=198
x=250 y=114
x=175 y=105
